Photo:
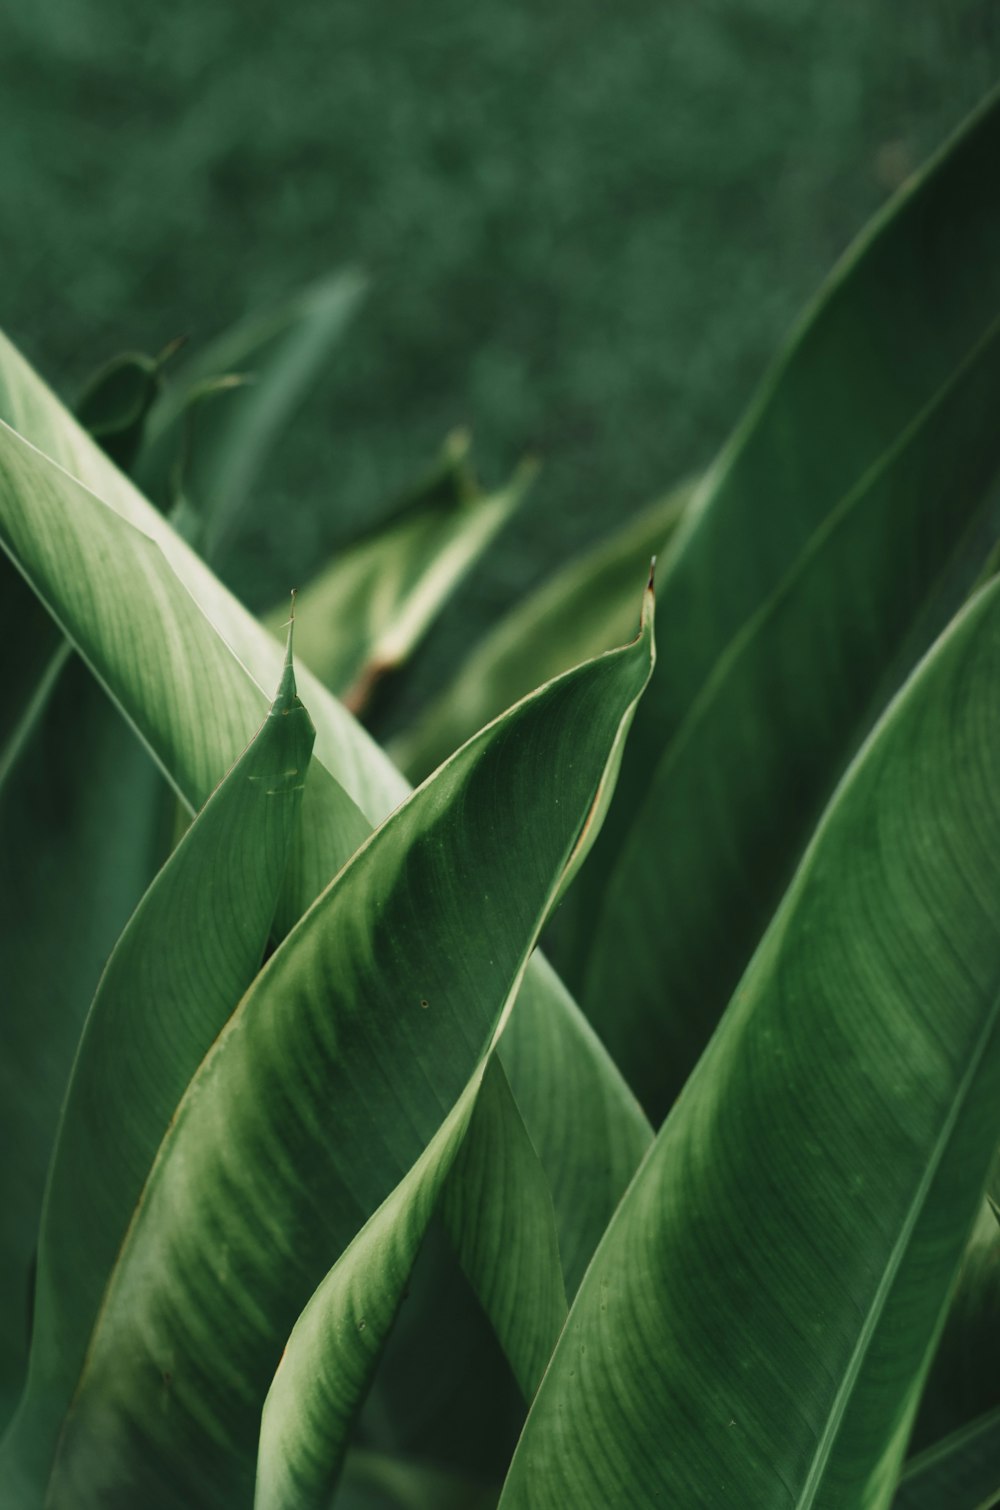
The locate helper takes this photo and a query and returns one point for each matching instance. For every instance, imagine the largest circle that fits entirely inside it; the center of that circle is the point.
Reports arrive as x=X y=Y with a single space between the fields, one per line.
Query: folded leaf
x=339 y=1071
x=757 y=1320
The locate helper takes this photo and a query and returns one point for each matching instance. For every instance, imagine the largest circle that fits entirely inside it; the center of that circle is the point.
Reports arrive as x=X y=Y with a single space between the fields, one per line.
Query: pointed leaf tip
x=286 y=696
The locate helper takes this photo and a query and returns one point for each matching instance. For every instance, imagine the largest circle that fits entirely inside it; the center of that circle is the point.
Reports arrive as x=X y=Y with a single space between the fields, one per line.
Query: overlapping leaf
x=586 y=608
x=366 y=611
x=114 y=585
x=332 y=1079
x=830 y=542
x=177 y=973
x=757 y=1320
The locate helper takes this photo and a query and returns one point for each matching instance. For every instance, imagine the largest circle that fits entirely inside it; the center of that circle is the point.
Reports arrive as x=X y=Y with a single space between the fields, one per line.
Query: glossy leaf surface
x=758 y=1317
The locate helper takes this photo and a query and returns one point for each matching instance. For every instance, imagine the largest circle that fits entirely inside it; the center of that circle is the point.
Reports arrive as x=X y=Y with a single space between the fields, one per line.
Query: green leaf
x=365 y=612
x=961 y=1472
x=587 y=607
x=756 y=1322
x=187 y=956
x=497 y=1207
x=839 y=529
x=116 y=401
x=80 y=838
x=121 y=582
x=87 y=809
x=189 y=681
x=346 y=1064
x=283 y=350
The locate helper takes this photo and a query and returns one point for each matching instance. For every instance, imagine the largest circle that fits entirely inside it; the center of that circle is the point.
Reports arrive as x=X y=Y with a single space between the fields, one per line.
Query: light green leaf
x=122 y=584
x=365 y=613
x=69 y=542
x=497 y=1208
x=587 y=607
x=187 y=956
x=756 y=1322
x=837 y=532
x=334 y=1077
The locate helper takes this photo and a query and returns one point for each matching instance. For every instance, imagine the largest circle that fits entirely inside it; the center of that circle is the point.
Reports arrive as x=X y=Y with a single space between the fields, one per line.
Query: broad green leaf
x=283 y=351
x=961 y=1472
x=334 y=1077
x=365 y=612
x=124 y=593
x=587 y=607
x=497 y=1206
x=756 y=1322
x=373 y=1481
x=178 y=971
x=839 y=529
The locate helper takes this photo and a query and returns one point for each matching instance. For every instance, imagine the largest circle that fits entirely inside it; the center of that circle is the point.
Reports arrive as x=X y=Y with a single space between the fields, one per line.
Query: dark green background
x=588 y=226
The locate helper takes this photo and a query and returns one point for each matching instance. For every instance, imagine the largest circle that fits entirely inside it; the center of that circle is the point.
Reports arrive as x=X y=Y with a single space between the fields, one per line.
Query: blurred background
x=587 y=228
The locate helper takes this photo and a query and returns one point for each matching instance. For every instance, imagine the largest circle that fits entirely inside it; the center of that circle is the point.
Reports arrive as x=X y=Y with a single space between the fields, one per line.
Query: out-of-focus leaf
x=497 y=1207
x=758 y=1318
x=187 y=956
x=961 y=1472
x=838 y=531
x=160 y=630
x=115 y=403
x=372 y=1481
x=587 y=607
x=364 y=614
x=283 y=351
x=344 y=1067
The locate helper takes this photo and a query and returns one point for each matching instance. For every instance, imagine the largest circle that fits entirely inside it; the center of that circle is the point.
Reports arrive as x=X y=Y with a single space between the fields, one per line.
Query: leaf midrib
x=859 y=1352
